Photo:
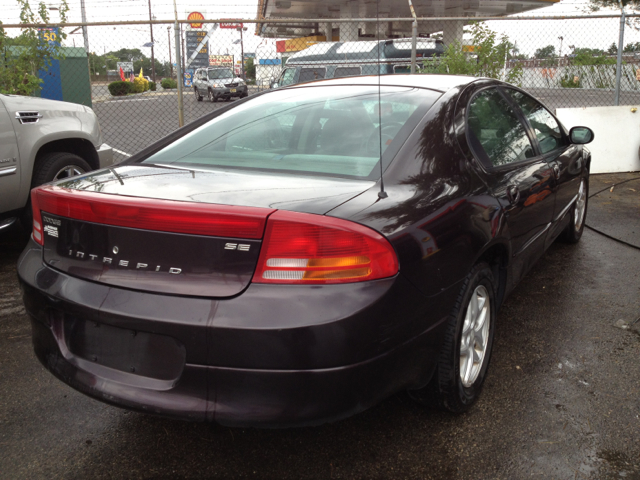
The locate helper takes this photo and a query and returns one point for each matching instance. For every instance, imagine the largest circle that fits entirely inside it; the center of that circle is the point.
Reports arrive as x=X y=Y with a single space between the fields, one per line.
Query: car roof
x=441 y=83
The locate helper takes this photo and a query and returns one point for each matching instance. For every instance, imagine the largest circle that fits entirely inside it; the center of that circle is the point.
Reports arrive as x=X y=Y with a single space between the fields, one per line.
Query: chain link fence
x=131 y=77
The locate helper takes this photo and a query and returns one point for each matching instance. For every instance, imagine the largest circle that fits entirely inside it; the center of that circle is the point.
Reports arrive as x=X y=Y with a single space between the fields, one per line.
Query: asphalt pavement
x=561 y=400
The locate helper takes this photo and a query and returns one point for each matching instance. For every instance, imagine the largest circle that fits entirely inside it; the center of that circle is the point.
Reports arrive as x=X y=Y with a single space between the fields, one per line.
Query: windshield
x=333 y=131
x=221 y=73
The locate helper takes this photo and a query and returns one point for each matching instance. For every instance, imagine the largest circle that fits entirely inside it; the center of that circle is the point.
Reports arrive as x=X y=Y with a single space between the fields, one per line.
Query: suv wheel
x=198 y=96
x=212 y=97
x=53 y=166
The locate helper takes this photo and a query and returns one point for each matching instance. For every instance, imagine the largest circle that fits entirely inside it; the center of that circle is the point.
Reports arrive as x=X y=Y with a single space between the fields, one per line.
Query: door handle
x=556 y=171
x=513 y=194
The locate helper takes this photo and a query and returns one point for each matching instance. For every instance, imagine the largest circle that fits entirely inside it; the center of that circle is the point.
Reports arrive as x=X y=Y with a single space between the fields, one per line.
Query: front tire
x=212 y=97
x=466 y=351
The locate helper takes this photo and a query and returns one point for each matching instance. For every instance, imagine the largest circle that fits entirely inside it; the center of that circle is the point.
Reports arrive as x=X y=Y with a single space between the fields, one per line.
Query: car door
x=566 y=160
x=518 y=176
x=9 y=163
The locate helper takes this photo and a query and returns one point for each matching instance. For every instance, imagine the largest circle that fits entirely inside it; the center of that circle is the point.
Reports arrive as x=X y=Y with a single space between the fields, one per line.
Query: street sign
x=127 y=67
x=194 y=38
x=221 y=60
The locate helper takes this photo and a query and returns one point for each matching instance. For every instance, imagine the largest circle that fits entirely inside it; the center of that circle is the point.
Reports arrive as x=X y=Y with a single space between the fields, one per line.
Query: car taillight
x=300 y=248
x=150 y=213
x=37 y=218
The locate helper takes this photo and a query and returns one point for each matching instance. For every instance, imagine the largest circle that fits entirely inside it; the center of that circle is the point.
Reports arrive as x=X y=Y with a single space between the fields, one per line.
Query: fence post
x=180 y=76
x=414 y=37
x=619 y=62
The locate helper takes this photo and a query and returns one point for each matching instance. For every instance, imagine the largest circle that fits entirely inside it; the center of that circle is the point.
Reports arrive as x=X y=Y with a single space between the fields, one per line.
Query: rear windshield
x=336 y=131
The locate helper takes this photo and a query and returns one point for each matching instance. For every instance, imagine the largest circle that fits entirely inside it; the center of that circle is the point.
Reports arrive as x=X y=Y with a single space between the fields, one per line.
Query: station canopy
x=326 y=10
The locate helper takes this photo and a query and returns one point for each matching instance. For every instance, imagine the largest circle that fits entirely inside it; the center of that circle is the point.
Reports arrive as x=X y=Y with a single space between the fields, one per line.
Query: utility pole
x=560 y=52
x=176 y=28
x=153 y=59
x=85 y=34
x=240 y=29
x=169 y=43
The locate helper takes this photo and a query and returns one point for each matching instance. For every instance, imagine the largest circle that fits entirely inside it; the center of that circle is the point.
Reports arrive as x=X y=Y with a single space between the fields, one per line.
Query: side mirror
x=274 y=85
x=581 y=135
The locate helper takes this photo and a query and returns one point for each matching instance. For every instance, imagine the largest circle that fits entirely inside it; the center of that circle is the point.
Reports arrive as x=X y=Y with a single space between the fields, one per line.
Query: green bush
x=140 y=85
x=120 y=88
x=152 y=86
x=168 y=83
x=570 y=81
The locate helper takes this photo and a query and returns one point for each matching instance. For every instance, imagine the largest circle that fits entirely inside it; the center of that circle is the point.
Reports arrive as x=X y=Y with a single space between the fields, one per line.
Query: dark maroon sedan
x=298 y=256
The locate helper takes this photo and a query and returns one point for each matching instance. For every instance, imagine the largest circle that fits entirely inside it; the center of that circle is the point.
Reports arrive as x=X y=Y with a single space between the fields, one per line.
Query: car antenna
x=381 y=193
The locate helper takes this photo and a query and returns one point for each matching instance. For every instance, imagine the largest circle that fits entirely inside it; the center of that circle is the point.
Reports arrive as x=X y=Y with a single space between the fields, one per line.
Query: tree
x=545 y=52
x=250 y=68
x=595 y=5
x=630 y=48
x=484 y=58
x=22 y=57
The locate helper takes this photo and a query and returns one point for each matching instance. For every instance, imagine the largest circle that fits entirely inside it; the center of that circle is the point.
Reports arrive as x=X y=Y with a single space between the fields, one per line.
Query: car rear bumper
x=252 y=360
x=105 y=155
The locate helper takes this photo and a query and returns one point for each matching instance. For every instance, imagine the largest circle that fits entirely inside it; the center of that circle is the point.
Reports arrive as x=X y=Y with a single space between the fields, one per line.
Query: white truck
x=41 y=141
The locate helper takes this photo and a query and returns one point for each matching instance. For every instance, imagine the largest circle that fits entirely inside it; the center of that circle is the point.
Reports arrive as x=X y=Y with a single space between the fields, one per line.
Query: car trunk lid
x=164 y=246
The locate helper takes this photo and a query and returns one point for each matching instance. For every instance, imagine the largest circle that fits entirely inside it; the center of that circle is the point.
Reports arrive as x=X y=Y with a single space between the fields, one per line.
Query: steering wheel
x=383 y=136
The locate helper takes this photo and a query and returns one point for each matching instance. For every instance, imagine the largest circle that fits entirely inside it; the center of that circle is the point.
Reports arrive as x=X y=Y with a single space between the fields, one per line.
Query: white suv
x=217 y=83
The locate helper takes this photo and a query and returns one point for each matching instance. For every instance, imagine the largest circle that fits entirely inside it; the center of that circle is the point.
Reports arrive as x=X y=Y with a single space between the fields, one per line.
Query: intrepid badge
x=122 y=263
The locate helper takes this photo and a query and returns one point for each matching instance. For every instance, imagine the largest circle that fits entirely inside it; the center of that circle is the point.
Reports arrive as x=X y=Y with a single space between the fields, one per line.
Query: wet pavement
x=562 y=397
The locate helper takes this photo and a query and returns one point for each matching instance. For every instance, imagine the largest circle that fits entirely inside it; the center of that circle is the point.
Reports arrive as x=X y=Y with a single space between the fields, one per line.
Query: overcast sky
x=528 y=35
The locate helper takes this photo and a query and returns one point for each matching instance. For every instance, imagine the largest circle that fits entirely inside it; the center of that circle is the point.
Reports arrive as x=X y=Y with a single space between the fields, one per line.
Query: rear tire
x=468 y=341
x=198 y=96
x=49 y=167
x=573 y=232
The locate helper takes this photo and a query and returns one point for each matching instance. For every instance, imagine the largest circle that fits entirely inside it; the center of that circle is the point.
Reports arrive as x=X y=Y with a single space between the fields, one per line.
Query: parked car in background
x=348 y=59
x=298 y=256
x=218 y=83
x=44 y=140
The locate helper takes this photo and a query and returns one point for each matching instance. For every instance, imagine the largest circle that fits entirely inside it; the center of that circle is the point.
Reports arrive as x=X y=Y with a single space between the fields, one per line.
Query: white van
x=347 y=59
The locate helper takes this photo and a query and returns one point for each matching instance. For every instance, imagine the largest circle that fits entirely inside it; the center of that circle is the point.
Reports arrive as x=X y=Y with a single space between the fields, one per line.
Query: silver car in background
x=218 y=83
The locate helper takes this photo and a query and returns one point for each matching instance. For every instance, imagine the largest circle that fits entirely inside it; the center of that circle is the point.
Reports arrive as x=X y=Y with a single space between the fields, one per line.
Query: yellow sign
x=221 y=60
x=195 y=16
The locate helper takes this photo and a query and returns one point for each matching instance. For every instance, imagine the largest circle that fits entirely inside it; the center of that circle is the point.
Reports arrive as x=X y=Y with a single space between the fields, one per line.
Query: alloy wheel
x=581 y=204
x=475 y=335
x=68 y=171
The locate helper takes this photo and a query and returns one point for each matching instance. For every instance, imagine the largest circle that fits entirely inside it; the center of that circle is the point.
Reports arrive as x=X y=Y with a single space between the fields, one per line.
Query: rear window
x=310 y=74
x=336 y=131
x=346 y=72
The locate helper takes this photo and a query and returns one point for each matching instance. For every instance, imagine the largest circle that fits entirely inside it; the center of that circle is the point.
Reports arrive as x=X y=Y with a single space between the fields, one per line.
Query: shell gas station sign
x=195 y=16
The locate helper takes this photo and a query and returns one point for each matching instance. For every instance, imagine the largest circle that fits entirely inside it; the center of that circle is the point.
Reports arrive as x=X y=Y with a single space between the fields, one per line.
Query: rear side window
x=496 y=128
x=401 y=69
x=346 y=72
x=287 y=77
x=336 y=131
x=310 y=74
x=544 y=125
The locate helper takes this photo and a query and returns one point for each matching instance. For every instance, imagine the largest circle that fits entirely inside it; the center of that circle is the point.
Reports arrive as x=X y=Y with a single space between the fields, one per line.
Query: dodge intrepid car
x=295 y=257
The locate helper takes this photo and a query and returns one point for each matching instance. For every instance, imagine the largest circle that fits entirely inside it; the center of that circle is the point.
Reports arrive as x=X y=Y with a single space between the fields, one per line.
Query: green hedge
x=168 y=83
x=152 y=86
x=120 y=88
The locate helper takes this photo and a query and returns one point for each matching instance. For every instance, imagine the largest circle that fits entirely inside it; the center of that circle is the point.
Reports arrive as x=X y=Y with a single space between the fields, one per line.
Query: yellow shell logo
x=195 y=16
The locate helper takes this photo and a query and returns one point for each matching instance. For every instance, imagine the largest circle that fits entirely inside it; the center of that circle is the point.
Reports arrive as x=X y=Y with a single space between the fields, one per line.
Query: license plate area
x=140 y=353
x=232 y=90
